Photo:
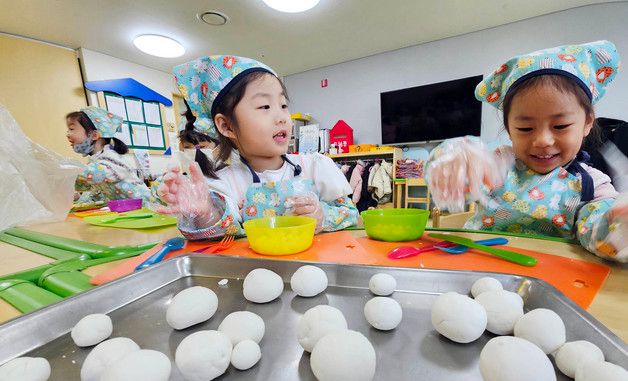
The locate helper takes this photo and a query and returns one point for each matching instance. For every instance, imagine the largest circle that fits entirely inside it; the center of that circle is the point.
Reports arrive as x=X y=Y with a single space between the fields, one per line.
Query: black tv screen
x=432 y=112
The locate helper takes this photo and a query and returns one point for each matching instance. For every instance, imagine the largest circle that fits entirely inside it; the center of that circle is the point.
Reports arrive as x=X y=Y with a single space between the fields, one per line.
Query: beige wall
x=40 y=84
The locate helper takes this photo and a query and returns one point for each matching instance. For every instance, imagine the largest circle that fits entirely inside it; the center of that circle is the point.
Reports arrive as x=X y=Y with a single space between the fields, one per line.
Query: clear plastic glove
x=307 y=205
x=618 y=236
x=465 y=167
x=188 y=197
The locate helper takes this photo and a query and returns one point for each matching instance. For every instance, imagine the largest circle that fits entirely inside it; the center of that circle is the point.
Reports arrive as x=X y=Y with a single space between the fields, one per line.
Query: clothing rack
x=389 y=155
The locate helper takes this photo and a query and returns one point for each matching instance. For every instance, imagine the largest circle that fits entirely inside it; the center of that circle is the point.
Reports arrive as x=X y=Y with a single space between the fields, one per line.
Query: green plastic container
x=395 y=225
x=26 y=296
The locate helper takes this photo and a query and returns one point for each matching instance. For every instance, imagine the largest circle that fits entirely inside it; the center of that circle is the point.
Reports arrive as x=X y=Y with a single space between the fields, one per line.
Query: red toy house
x=342 y=135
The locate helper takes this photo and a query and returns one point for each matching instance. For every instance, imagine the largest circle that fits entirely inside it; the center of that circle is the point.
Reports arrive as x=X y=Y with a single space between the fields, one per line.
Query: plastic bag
x=464 y=169
x=36 y=184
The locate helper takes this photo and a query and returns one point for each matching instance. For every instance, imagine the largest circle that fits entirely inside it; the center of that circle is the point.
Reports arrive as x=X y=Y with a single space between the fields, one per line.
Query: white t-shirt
x=329 y=182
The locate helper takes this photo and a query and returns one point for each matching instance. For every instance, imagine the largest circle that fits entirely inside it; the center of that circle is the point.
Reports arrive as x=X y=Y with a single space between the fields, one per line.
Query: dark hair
x=190 y=135
x=82 y=118
x=563 y=84
x=227 y=107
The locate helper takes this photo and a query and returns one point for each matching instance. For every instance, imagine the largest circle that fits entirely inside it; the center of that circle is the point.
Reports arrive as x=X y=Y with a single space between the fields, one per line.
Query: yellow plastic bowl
x=281 y=235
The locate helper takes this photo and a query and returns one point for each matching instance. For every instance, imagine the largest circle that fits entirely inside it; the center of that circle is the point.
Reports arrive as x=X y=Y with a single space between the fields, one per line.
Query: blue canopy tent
x=128 y=87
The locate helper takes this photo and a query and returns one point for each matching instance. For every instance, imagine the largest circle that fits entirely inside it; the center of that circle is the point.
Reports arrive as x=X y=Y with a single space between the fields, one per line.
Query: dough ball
x=25 y=369
x=601 y=371
x=574 y=354
x=317 y=322
x=458 y=317
x=503 y=310
x=262 y=286
x=344 y=355
x=245 y=354
x=382 y=284
x=485 y=284
x=243 y=325
x=142 y=365
x=191 y=306
x=105 y=354
x=308 y=281
x=91 y=330
x=203 y=355
x=383 y=313
x=542 y=327
x=507 y=358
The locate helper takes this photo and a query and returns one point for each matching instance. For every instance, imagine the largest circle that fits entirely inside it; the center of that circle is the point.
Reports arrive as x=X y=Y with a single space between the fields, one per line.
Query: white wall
x=97 y=66
x=355 y=86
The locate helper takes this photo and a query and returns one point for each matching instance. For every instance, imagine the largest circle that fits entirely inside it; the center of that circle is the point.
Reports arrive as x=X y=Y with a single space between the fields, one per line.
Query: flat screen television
x=431 y=112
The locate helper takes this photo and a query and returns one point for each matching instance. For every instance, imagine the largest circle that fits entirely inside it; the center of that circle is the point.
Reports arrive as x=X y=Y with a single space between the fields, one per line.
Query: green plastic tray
x=158 y=220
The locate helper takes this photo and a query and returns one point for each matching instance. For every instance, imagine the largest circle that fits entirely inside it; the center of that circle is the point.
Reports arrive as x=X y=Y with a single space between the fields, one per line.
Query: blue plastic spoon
x=459 y=249
x=171 y=244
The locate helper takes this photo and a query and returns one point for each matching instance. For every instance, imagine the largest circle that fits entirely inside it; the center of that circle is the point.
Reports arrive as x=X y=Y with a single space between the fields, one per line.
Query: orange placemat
x=577 y=279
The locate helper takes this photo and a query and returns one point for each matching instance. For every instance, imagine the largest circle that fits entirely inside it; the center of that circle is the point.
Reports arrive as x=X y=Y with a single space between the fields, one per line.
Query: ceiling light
x=291 y=6
x=159 y=46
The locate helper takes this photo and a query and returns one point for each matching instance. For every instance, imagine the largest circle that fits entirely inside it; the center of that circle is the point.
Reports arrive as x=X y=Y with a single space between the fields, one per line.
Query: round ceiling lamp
x=291 y=6
x=159 y=46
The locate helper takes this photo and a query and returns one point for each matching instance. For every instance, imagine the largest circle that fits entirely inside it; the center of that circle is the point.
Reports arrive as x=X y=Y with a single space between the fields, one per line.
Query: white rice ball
x=309 y=281
x=262 y=286
x=458 y=317
x=105 y=354
x=91 y=330
x=191 y=306
x=25 y=369
x=344 y=355
x=243 y=325
x=382 y=284
x=575 y=354
x=601 y=371
x=203 y=355
x=485 y=284
x=383 y=313
x=317 y=322
x=142 y=365
x=503 y=310
x=507 y=358
x=245 y=354
x=542 y=327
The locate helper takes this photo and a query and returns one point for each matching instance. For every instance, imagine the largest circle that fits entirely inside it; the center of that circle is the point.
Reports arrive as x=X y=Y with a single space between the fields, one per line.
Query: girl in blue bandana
x=539 y=185
x=248 y=106
x=107 y=176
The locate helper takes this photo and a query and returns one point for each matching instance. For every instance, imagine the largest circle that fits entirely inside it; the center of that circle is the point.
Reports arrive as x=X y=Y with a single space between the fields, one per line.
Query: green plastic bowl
x=395 y=225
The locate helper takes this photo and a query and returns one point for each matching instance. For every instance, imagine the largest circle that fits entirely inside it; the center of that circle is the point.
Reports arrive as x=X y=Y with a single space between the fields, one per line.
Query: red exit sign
x=324 y=82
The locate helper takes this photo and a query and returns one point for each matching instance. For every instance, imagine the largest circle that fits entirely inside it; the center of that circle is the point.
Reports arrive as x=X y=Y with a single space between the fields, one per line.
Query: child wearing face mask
x=107 y=176
x=198 y=140
x=540 y=185
x=247 y=104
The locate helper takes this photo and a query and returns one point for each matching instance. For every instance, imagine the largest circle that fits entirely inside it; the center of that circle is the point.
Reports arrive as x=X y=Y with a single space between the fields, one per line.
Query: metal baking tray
x=414 y=350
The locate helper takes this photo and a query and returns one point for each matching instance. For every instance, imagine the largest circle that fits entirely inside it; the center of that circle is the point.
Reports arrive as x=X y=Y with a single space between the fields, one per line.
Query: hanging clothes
x=356 y=180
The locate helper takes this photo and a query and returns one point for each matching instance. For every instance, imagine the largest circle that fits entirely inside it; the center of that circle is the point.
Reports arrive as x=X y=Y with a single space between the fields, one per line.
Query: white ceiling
x=335 y=31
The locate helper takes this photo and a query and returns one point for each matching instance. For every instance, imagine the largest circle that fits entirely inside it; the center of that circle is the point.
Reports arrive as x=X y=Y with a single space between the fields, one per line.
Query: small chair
x=415 y=182
x=451 y=221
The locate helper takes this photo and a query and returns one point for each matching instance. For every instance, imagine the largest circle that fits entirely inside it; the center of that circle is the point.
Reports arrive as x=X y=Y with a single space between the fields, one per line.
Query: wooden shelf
x=392 y=152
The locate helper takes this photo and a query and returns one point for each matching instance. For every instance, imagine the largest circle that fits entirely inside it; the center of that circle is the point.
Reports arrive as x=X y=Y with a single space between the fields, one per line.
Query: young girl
x=107 y=176
x=247 y=104
x=198 y=141
x=540 y=185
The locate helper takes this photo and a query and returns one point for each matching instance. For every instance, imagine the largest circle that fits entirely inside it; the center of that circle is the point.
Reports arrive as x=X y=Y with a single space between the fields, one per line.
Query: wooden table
x=609 y=306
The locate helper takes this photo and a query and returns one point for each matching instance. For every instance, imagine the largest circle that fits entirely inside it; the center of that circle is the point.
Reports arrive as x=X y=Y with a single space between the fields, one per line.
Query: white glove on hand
x=308 y=206
x=462 y=167
x=618 y=216
x=189 y=198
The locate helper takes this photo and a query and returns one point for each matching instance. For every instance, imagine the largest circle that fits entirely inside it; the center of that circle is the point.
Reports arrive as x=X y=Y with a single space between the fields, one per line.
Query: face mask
x=188 y=156
x=85 y=147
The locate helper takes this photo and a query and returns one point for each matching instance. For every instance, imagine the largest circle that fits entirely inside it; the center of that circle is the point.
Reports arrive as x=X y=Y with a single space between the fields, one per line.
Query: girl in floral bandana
x=540 y=184
x=107 y=176
x=247 y=104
